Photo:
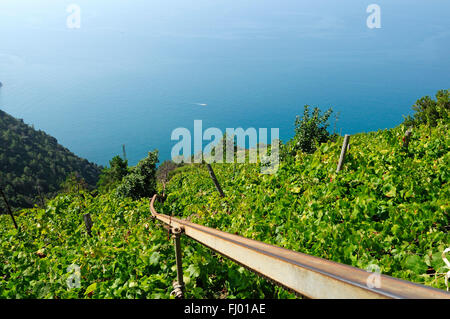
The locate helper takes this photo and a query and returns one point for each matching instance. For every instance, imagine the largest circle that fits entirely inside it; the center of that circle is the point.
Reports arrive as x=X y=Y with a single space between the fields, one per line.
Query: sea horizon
x=132 y=73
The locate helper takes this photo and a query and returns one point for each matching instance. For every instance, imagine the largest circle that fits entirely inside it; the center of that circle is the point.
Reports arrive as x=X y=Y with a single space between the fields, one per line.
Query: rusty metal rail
x=306 y=275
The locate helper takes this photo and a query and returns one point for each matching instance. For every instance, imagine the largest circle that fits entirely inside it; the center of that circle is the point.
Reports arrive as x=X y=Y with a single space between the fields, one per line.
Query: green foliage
x=221 y=147
x=429 y=111
x=310 y=131
x=128 y=256
x=74 y=184
x=387 y=206
x=111 y=177
x=164 y=171
x=33 y=164
x=118 y=168
x=141 y=182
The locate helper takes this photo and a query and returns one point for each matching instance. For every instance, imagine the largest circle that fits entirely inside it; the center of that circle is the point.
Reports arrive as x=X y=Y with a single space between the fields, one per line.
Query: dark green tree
x=141 y=182
x=311 y=130
x=429 y=111
x=119 y=168
x=30 y=158
x=113 y=175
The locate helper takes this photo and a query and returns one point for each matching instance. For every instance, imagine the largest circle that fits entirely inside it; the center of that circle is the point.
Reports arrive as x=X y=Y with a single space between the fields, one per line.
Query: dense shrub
x=429 y=111
x=73 y=184
x=113 y=175
x=310 y=131
x=141 y=182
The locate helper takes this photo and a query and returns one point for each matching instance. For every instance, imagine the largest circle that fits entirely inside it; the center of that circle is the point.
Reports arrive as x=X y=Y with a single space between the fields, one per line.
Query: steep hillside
x=388 y=206
x=33 y=164
x=128 y=256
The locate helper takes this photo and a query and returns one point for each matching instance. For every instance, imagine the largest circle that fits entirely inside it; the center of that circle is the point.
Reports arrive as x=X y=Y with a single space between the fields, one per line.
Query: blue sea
x=136 y=70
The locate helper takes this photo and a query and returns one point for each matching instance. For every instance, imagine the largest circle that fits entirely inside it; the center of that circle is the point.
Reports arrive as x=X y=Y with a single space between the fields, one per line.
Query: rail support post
x=178 y=285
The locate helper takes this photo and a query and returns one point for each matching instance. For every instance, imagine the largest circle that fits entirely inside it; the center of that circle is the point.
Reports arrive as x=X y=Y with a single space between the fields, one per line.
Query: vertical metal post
x=179 y=284
x=343 y=151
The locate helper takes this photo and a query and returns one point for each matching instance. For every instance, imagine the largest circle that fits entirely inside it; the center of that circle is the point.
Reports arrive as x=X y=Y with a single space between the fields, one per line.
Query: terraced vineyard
x=388 y=207
x=128 y=256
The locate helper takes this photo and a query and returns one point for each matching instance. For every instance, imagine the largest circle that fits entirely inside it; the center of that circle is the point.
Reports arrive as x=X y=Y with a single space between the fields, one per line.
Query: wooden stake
x=407 y=138
x=88 y=222
x=214 y=178
x=9 y=208
x=343 y=151
x=40 y=196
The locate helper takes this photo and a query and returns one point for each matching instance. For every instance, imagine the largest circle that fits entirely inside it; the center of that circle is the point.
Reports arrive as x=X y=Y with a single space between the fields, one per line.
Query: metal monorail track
x=306 y=275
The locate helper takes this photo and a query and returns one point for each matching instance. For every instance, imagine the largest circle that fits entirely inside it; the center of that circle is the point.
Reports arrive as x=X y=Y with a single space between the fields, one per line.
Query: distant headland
x=1 y=84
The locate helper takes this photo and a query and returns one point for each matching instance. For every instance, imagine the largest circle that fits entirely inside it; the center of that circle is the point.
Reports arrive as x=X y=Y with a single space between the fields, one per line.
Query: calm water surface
x=136 y=70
